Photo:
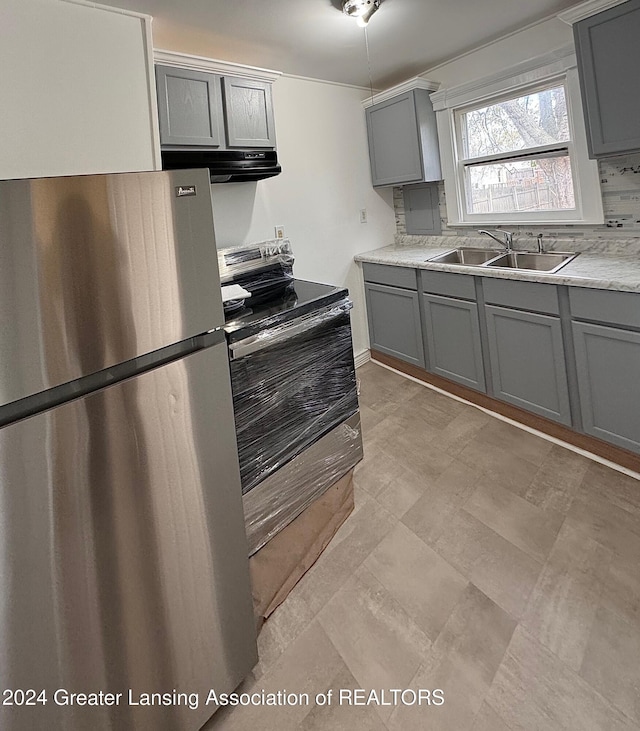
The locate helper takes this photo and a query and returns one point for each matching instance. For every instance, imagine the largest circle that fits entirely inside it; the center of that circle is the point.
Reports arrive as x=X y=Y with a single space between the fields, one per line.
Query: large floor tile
x=382 y=389
x=421 y=581
x=557 y=480
x=462 y=663
x=402 y=492
x=287 y=623
x=563 y=605
x=369 y=419
x=434 y=399
x=342 y=716
x=620 y=489
x=495 y=565
x=436 y=410
x=523 y=524
x=355 y=540
x=621 y=591
x=516 y=441
x=378 y=640
x=411 y=446
x=376 y=470
x=535 y=691
x=613 y=526
x=430 y=516
x=465 y=427
x=477 y=633
x=309 y=666
x=612 y=661
x=488 y=720
x=499 y=465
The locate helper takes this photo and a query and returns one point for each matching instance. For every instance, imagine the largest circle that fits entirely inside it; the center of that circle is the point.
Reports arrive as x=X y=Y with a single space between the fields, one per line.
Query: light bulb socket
x=361 y=10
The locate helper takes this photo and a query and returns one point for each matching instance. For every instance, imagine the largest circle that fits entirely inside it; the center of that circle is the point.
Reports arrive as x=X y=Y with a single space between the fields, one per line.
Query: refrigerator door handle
x=286 y=331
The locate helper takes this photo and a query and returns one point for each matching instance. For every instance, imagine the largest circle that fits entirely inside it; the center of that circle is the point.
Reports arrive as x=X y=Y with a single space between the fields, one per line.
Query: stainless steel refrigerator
x=123 y=556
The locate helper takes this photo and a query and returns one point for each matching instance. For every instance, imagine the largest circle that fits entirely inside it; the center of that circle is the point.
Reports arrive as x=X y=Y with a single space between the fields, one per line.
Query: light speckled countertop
x=589 y=269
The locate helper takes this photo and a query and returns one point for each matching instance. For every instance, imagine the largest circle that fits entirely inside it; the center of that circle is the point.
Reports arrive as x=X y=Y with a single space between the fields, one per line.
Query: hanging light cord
x=366 y=43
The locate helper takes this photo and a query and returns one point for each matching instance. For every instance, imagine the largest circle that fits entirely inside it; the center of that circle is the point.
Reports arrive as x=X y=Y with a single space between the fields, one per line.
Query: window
x=515 y=152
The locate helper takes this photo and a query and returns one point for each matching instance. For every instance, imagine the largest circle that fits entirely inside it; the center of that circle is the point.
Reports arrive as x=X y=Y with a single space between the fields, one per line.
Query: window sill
x=596 y=221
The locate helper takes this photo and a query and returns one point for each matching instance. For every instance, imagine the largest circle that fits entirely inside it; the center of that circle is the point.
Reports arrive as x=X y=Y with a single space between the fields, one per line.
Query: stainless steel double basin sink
x=493 y=258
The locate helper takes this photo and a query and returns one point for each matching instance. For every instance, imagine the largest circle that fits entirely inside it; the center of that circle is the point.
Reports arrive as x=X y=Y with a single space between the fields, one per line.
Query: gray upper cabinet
x=403 y=140
x=608 y=53
x=527 y=359
x=189 y=107
x=422 y=210
x=452 y=337
x=248 y=113
x=200 y=109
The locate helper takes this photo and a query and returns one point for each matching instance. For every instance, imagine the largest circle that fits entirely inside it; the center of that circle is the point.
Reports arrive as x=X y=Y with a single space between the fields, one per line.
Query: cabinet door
x=76 y=92
x=608 y=364
x=452 y=337
x=527 y=362
x=394 y=147
x=421 y=209
x=394 y=322
x=248 y=112
x=608 y=61
x=189 y=107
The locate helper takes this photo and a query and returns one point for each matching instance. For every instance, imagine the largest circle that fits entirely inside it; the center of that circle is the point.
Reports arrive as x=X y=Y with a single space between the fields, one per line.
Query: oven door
x=292 y=383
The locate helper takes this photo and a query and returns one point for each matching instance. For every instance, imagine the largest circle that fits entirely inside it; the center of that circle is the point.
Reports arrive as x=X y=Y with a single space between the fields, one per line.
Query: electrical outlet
x=279 y=232
x=363 y=215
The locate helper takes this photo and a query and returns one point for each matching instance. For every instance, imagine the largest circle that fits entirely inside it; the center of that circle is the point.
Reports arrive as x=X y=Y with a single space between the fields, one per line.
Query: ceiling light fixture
x=361 y=10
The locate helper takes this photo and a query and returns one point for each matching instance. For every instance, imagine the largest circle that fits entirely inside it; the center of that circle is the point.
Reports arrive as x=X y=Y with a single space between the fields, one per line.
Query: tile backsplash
x=620 y=185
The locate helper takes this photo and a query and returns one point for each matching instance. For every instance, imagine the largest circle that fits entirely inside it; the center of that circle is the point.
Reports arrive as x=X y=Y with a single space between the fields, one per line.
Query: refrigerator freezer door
x=98 y=269
x=123 y=556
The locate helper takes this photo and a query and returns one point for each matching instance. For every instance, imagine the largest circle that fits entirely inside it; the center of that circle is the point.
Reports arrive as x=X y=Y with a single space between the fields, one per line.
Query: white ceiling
x=313 y=38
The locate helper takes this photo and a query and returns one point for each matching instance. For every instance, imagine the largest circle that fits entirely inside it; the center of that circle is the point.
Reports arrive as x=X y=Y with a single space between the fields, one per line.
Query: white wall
x=326 y=180
x=519 y=46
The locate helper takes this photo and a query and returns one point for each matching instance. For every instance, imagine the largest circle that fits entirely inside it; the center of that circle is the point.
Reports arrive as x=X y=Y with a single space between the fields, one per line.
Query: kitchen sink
x=466 y=256
x=549 y=262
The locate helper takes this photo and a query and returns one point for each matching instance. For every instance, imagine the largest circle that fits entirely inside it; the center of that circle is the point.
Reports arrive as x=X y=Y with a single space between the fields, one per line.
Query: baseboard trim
x=590 y=447
x=362 y=357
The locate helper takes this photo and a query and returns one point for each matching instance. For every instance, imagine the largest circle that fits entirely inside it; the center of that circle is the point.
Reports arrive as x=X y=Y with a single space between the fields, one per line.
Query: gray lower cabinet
x=189 y=107
x=394 y=322
x=452 y=336
x=528 y=366
x=608 y=53
x=608 y=367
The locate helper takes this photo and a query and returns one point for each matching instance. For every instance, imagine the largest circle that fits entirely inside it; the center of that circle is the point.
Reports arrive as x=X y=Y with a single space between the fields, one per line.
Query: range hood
x=225 y=166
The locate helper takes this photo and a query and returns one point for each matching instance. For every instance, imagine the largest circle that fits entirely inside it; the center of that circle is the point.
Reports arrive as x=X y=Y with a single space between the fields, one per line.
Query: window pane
x=521 y=185
x=536 y=119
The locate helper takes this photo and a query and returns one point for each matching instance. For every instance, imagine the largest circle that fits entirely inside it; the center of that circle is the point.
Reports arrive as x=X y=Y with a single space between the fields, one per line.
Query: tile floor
x=481 y=560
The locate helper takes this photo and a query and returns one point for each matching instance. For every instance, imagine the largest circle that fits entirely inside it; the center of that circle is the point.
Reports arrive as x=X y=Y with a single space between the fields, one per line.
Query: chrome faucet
x=540 y=244
x=507 y=242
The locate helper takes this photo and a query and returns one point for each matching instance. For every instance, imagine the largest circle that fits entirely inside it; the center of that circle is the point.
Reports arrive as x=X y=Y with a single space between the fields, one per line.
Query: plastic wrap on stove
x=279 y=499
x=236 y=261
x=292 y=383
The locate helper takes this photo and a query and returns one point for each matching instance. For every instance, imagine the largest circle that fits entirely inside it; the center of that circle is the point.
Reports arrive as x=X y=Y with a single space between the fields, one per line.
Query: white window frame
x=557 y=68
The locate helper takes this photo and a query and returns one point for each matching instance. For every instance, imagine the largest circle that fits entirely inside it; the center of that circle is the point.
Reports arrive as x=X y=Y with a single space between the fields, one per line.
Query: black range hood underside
x=225 y=166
